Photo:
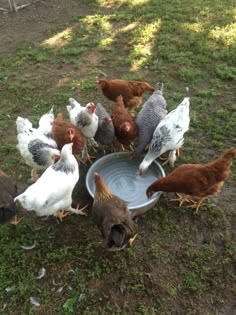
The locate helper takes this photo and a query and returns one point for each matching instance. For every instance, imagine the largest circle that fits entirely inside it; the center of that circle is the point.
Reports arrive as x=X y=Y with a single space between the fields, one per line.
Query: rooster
x=124 y=123
x=53 y=190
x=196 y=180
x=132 y=91
x=112 y=217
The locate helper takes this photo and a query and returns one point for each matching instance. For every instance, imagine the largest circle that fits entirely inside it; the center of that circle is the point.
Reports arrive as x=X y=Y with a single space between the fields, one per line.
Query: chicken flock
x=58 y=144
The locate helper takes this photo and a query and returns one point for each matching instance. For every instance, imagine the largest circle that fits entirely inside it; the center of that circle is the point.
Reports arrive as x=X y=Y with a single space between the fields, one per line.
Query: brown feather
x=60 y=128
x=198 y=180
x=112 y=216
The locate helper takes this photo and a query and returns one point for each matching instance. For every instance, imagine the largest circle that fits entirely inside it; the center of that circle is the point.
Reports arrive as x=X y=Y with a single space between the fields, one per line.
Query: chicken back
x=124 y=124
x=199 y=180
x=112 y=217
x=65 y=132
x=132 y=91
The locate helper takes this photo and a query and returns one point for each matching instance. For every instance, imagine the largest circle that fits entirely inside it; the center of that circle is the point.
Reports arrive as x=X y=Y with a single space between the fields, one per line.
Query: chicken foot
x=86 y=156
x=61 y=214
x=182 y=199
x=122 y=148
x=131 y=240
x=15 y=221
x=197 y=204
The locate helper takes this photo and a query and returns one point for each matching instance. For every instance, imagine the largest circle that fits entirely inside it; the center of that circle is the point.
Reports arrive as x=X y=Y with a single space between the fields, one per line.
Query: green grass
x=181 y=260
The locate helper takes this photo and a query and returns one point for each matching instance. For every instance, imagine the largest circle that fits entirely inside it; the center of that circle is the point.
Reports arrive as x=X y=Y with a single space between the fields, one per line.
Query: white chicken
x=45 y=125
x=53 y=190
x=37 y=150
x=168 y=135
x=73 y=110
x=85 y=119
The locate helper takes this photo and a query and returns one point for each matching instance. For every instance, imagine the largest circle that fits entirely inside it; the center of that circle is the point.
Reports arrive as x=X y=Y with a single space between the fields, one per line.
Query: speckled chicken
x=168 y=135
x=196 y=180
x=8 y=192
x=64 y=132
x=106 y=132
x=124 y=123
x=37 y=150
x=53 y=190
x=112 y=217
x=152 y=112
x=132 y=91
x=86 y=120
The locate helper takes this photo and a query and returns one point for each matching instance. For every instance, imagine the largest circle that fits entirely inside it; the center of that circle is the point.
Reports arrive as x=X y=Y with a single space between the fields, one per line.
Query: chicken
x=124 y=123
x=168 y=135
x=73 y=109
x=112 y=217
x=196 y=180
x=64 y=132
x=86 y=120
x=8 y=192
x=53 y=190
x=45 y=125
x=152 y=112
x=105 y=134
x=37 y=150
x=132 y=91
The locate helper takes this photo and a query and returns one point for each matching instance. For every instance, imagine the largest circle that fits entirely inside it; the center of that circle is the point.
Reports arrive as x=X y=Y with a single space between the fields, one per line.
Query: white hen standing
x=53 y=190
x=168 y=135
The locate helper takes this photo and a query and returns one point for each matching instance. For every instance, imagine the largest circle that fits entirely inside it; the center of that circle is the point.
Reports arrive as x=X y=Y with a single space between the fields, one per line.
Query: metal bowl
x=122 y=177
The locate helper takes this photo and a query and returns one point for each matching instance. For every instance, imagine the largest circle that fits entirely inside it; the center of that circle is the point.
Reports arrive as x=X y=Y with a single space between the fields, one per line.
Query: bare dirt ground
x=32 y=23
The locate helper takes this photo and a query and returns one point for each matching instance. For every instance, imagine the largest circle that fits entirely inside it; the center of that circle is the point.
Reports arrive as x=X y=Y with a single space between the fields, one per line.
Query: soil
x=32 y=24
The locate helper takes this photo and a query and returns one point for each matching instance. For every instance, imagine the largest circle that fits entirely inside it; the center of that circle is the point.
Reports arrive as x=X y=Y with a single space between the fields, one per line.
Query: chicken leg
x=131 y=240
x=182 y=199
x=15 y=221
x=197 y=204
x=62 y=213
x=85 y=154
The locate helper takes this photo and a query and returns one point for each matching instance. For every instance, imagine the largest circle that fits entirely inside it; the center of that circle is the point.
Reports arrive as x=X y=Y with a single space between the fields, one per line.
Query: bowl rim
x=155 y=196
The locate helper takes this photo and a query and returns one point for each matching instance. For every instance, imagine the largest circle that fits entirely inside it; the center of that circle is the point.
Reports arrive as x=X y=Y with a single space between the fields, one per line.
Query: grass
x=181 y=262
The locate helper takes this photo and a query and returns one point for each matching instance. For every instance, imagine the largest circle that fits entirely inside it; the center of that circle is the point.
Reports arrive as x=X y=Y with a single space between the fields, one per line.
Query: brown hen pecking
x=124 y=124
x=196 y=180
x=64 y=132
x=112 y=217
x=132 y=91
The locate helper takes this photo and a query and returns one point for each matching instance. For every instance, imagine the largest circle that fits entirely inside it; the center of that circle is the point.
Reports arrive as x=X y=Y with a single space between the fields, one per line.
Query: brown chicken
x=196 y=180
x=8 y=192
x=64 y=132
x=112 y=217
x=132 y=91
x=124 y=124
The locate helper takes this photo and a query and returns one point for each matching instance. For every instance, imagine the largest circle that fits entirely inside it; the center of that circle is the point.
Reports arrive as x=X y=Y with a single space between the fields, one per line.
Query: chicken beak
x=93 y=106
x=57 y=157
